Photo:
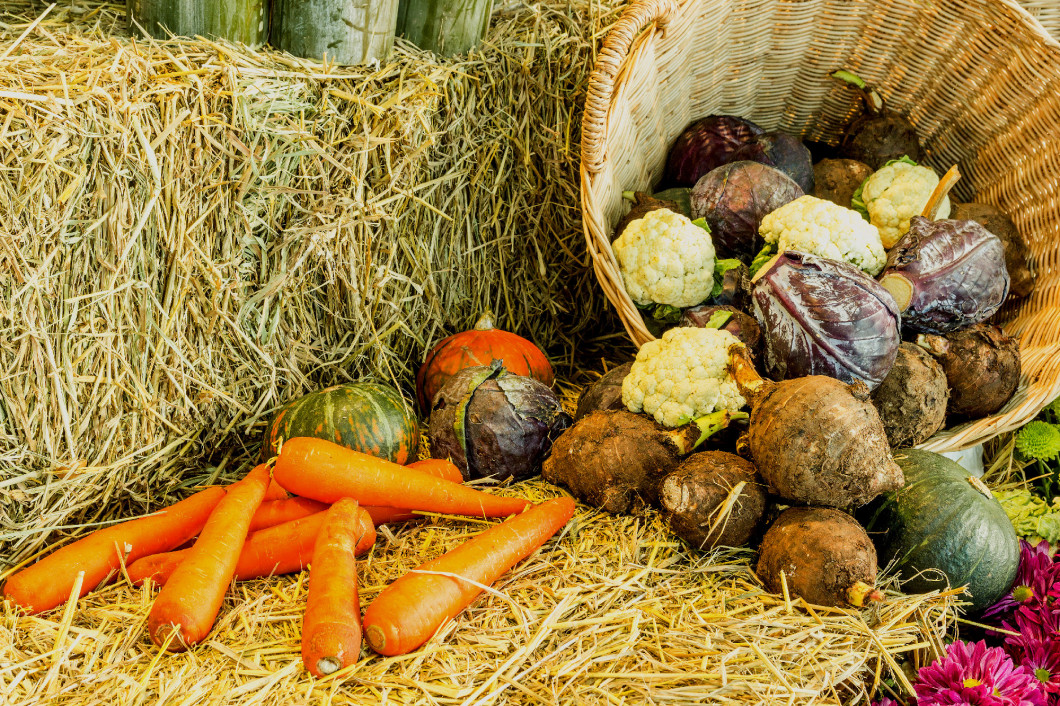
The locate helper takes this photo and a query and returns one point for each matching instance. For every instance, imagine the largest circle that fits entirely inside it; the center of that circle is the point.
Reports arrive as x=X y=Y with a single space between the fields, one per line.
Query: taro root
x=1017 y=255
x=605 y=393
x=614 y=460
x=825 y=317
x=982 y=366
x=704 y=145
x=878 y=135
x=643 y=204
x=825 y=556
x=815 y=440
x=734 y=198
x=946 y=275
x=836 y=180
x=739 y=324
x=713 y=499
x=492 y=424
x=783 y=152
x=912 y=398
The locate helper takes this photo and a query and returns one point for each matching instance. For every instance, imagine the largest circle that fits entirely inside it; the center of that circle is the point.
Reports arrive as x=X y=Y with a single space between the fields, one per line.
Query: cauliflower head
x=682 y=376
x=812 y=225
x=895 y=193
x=665 y=259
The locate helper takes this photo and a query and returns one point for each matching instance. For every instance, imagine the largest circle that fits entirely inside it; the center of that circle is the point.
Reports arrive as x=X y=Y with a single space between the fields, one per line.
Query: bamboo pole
x=235 y=20
x=346 y=31
x=444 y=26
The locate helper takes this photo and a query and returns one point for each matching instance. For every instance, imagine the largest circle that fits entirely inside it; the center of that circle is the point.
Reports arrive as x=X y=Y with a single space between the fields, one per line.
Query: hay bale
x=192 y=233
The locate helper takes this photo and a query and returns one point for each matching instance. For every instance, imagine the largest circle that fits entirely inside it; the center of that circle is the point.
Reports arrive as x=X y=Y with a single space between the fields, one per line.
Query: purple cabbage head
x=705 y=145
x=784 y=152
x=734 y=198
x=825 y=317
x=946 y=275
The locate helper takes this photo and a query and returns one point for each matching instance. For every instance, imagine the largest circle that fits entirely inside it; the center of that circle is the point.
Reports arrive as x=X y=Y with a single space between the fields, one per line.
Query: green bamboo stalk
x=444 y=26
x=346 y=31
x=235 y=20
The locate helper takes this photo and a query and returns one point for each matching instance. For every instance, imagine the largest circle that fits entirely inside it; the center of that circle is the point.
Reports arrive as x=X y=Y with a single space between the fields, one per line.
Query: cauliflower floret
x=812 y=225
x=666 y=259
x=682 y=376
x=897 y=192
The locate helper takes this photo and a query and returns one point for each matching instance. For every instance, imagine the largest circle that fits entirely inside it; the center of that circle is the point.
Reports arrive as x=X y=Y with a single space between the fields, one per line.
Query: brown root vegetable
x=1017 y=255
x=982 y=366
x=878 y=135
x=605 y=393
x=912 y=398
x=614 y=460
x=814 y=439
x=713 y=499
x=643 y=204
x=826 y=557
x=744 y=326
x=836 y=180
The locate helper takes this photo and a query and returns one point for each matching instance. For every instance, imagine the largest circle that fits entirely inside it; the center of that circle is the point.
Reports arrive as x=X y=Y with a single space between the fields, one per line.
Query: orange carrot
x=439 y=468
x=411 y=609
x=281 y=549
x=48 y=583
x=324 y=471
x=191 y=599
x=275 y=491
x=276 y=512
x=331 y=628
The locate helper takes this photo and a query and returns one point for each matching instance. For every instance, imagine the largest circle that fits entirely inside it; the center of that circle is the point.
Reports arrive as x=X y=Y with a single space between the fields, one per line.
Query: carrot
x=48 y=583
x=331 y=628
x=276 y=492
x=281 y=549
x=407 y=612
x=276 y=512
x=324 y=471
x=191 y=599
x=439 y=468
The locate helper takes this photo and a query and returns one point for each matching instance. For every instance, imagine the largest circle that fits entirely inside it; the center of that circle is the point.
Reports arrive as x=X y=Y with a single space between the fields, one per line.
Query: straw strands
x=192 y=233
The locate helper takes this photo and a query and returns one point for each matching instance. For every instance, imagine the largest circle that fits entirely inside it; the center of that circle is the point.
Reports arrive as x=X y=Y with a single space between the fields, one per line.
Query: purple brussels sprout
x=784 y=152
x=825 y=317
x=705 y=145
x=734 y=198
x=946 y=275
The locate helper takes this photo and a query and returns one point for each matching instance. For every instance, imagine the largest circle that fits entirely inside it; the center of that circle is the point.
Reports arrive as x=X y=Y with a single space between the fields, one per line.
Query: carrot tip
x=328 y=665
x=376 y=637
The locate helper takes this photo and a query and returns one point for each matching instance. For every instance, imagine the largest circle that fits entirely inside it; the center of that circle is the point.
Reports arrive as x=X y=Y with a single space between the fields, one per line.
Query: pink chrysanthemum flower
x=973 y=674
x=1034 y=622
x=1042 y=657
x=1035 y=582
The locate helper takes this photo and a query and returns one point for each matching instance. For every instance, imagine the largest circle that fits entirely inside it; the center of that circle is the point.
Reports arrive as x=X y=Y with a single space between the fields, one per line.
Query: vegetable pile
x=843 y=305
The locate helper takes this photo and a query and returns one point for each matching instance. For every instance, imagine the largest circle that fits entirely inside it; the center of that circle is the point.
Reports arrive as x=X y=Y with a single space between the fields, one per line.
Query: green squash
x=944 y=518
x=363 y=416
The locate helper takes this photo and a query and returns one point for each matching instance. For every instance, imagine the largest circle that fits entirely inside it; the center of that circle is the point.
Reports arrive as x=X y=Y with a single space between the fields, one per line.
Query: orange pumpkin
x=480 y=346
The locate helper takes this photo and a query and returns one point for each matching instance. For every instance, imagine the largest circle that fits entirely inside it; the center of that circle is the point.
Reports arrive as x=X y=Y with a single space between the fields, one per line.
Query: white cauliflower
x=682 y=376
x=812 y=225
x=665 y=259
x=895 y=193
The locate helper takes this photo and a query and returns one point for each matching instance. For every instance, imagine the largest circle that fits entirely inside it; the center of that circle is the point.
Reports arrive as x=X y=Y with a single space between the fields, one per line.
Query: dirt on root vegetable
x=912 y=398
x=982 y=367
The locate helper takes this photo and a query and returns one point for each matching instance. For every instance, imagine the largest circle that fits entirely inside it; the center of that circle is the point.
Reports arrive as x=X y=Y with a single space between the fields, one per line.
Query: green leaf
x=904 y=159
x=851 y=78
x=720 y=268
x=718 y=319
x=764 y=255
x=857 y=203
x=702 y=223
x=666 y=314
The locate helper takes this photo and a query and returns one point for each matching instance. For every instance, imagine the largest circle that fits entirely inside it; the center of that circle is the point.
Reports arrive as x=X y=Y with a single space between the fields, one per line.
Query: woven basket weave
x=980 y=80
x=1047 y=12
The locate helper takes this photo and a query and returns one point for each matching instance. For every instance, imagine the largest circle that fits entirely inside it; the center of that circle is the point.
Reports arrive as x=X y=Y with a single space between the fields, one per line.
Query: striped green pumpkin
x=363 y=416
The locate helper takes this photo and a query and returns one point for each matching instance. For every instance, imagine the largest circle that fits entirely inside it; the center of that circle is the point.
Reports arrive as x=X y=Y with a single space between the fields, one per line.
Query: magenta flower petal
x=1036 y=581
x=977 y=675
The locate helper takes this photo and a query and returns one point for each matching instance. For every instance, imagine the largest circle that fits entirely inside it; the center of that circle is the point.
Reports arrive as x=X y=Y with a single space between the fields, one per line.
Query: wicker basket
x=1045 y=11
x=980 y=80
